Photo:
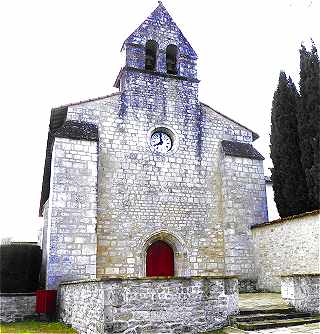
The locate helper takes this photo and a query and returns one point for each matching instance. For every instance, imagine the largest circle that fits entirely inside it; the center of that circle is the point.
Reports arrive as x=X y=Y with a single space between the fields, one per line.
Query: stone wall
x=44 y=246
x=17 y=306
x=286 y=246
x=167 y=32
x=71 y=238
x=302 y=291
x=181 y=197
x=184 y=305
x=193 y=197
x=244 y=204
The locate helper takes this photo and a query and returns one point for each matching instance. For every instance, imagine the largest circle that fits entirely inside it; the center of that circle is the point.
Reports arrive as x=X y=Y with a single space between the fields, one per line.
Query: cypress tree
x=308 y=115
x=290 y=191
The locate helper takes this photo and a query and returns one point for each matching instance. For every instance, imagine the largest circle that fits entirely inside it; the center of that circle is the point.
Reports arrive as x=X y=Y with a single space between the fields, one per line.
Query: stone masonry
x=243 y=194
x=176 y=305
x=112 y=196
x=17 y=306
x=71 y=214
x=302 y=291
x=286 y=246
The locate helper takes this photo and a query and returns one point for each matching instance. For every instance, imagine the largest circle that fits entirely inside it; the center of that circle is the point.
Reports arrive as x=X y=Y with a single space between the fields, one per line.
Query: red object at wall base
x=46 y=301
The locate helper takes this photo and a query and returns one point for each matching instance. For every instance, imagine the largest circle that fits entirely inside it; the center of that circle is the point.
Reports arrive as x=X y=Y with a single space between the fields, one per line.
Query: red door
x=160 y=259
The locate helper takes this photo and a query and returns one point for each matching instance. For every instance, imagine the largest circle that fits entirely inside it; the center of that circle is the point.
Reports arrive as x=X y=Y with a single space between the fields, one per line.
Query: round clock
x=161 y=142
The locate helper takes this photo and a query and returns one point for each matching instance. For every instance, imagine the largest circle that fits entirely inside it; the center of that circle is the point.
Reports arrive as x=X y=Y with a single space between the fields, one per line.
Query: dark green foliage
x=313 y=175
x=20 y=267
x=308 y=115
x=290 y=191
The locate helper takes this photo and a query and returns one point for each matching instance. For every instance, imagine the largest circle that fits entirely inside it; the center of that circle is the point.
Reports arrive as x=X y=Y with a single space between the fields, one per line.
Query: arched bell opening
x=151 y=55
x=171 y=59
x=159 y=259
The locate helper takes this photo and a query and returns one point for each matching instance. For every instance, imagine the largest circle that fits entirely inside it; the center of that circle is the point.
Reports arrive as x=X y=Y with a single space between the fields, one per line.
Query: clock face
x=161 y=142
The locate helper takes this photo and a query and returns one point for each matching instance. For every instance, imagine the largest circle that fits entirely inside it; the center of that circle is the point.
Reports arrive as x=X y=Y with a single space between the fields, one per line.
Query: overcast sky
x=61 y=51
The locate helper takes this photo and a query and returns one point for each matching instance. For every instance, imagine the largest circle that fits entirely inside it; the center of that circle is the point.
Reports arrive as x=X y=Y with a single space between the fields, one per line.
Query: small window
x=151 y=55
x=171 y=59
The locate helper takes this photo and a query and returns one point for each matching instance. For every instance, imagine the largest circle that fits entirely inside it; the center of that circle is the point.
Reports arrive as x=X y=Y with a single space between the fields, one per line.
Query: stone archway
x=178 y=249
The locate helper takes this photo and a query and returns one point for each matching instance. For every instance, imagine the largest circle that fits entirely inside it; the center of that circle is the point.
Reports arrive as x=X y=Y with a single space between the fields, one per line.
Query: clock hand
x=161 y=142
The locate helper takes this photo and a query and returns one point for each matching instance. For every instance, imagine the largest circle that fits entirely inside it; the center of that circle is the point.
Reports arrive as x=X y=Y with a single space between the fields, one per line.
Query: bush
x=20 y=267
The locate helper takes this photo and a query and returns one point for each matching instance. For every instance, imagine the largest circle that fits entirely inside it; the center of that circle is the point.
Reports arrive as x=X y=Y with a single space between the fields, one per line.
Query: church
x=149 y=184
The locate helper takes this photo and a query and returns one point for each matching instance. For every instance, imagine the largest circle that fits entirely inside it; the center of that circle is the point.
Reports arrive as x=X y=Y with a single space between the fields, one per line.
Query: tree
x=6 y=241
x=289 y=184
x=308 y=115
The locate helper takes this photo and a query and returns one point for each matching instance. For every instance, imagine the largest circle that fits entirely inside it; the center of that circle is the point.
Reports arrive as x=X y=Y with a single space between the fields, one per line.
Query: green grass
x=28 y=327
x=32 y=327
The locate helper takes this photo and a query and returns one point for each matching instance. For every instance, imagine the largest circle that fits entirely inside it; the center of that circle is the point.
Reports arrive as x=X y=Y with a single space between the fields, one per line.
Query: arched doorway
x=159 y=259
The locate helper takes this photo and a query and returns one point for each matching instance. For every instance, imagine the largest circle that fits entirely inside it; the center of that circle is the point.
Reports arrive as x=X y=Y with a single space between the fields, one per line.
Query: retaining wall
x=302 y=291
x=286 y=246
x=148 y=305
x=17 y=306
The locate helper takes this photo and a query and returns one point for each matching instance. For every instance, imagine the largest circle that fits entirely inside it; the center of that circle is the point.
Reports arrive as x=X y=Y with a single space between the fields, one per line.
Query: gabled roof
x=242 y=150
x=160 y=18
x=60 y=128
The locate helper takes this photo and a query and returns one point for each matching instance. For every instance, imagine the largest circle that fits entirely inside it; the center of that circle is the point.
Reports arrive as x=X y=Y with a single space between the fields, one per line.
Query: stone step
x=269 y=316
x=249 y=326
x=267 y=310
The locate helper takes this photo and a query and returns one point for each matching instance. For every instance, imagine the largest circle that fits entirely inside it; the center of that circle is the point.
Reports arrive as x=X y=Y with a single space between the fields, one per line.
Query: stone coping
x=86 y=101
x=283 y=220
x=301 y=275
x=164 y=278
x=16 y=294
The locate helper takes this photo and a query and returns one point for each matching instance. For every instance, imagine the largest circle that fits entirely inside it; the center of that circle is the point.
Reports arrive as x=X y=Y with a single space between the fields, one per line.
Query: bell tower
x=157 y=48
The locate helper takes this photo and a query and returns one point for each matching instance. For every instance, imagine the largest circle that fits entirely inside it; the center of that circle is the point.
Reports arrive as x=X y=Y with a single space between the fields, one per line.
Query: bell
x=171 y=66
x=149 y=63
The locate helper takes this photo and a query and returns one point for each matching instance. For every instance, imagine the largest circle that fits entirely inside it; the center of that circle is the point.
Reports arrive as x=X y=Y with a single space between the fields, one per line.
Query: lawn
x=26 y=327
x=31 y=327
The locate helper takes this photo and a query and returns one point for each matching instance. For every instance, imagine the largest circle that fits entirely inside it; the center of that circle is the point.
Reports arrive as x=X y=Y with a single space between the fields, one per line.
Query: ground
x=267 y=300
x=246 y=301
x=303 y=329
x=252 y=301
x=26 y=327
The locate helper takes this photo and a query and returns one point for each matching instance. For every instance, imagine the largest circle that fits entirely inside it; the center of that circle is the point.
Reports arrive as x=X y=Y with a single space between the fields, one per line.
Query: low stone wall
x=286 y=246
x=302 y=291
x=17 y=306
x=148 y=305
x=247 y=285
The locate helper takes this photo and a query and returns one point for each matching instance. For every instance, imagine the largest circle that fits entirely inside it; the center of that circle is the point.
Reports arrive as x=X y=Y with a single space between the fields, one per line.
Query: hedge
x=20 y=267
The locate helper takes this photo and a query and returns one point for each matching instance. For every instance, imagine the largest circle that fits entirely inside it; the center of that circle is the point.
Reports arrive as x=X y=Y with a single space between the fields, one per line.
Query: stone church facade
x=150 y=166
